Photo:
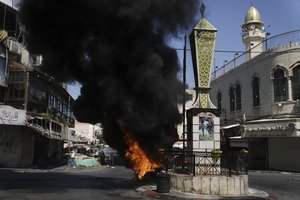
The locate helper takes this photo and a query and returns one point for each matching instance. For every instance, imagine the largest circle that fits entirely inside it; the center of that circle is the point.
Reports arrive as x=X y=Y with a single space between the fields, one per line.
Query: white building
x=260 y=91
x=86 y=132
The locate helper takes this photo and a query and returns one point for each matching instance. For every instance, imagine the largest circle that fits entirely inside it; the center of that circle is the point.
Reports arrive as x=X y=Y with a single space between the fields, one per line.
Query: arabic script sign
x=287 y=129
x=12 y=116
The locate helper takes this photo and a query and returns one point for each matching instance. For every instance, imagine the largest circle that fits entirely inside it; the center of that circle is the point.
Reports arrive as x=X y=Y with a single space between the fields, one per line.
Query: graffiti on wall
x=12 y=116
x=8 y=143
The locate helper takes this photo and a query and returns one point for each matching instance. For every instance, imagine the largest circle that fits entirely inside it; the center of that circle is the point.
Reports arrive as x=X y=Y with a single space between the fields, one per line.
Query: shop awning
x=265 y=128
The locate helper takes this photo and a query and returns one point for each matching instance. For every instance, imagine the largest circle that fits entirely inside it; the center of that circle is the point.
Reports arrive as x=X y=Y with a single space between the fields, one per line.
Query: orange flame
x=138 y=159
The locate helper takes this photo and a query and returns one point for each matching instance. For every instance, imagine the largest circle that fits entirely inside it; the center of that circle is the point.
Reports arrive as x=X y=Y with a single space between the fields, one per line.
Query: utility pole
x=183 y=93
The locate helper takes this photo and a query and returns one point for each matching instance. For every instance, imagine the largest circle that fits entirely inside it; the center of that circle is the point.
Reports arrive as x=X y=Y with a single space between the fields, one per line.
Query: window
x=219 y=99
x=232 y=98
x=16 y=91
x=51 y=101
x=56 y=127
x=58 y=105
x=280 y=86
x=255 y=91
x=238 y=96
x=296 y=82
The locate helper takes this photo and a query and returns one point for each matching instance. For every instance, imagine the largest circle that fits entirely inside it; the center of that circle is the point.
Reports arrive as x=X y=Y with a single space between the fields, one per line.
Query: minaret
x=253 y=33
x=202 y=41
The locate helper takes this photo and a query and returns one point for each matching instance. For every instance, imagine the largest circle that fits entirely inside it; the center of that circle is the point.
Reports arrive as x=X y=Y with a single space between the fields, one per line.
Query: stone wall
x=210 y=185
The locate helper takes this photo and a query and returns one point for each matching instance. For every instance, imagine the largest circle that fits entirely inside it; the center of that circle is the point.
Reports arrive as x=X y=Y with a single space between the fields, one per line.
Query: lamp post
x=224 y=63
x=234 y=56
x=215 y=71
x=267 y=34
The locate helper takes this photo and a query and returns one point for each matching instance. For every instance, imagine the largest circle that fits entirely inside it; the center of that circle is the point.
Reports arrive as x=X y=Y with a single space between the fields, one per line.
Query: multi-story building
x=87 y=133
x=258 y=95
x=35 y=110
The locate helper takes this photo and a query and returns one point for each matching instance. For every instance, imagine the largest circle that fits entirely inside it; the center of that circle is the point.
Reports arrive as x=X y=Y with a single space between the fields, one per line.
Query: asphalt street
x=279 y=185
x=119 y=183
x=84 y=184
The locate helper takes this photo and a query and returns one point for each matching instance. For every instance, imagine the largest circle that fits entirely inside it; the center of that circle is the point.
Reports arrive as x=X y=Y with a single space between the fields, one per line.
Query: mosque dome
x=253 y=17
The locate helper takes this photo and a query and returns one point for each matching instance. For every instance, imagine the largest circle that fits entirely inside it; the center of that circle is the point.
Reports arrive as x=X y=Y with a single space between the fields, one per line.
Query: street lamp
x=267 y=34
x=215 y=71
x=224 y=63
x=234 y=56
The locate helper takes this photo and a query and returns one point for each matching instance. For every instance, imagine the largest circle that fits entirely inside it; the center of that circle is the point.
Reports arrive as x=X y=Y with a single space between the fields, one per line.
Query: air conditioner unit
x=14 y=47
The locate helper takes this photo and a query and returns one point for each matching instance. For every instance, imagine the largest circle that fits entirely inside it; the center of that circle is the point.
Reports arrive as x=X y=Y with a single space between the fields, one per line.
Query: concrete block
x=205 y=185
x=230 y=181
x=180 y=183
x=223 y=185
x=215 y=185
x=174 y=181
x=188 y=183
x=246 y=184
x=237 y=185
x=197 y=184
x=242 y=185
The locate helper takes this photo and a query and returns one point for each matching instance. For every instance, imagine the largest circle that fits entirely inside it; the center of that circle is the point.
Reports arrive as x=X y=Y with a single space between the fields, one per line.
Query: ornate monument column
x=203 y=123
x=202 y=41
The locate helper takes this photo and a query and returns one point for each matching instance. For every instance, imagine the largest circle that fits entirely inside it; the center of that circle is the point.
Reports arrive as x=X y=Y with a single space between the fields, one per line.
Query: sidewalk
x=63 y=168
x=150 y=191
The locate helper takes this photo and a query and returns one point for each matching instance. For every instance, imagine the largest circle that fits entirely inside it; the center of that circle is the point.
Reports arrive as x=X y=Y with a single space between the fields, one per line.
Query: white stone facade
x=262 y=66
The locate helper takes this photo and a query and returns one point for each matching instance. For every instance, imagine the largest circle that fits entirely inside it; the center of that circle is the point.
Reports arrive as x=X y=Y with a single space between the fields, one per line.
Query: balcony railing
x=291 y=39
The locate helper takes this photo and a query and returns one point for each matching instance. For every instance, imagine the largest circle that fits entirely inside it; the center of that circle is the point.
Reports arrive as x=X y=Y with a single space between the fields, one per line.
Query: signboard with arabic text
x=12 y=116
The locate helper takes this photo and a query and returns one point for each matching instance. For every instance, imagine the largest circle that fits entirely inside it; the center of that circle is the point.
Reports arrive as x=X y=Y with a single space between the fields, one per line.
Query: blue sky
x=228 y=16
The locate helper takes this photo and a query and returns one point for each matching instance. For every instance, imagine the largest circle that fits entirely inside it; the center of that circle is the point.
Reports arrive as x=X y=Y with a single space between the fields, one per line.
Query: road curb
x=274 y=172
x=150 y=191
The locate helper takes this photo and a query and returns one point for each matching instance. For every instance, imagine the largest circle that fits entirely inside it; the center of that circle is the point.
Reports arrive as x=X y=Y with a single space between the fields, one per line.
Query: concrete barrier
x=210 y=184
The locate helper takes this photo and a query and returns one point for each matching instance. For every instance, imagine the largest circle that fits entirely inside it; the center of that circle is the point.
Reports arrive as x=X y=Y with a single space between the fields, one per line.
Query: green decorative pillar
x=202 y=41
x=203 y=123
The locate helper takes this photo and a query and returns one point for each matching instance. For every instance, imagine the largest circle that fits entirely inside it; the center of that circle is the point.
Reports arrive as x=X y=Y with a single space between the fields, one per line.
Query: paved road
x=116 y=184
x=280 y=185
x=98 y=183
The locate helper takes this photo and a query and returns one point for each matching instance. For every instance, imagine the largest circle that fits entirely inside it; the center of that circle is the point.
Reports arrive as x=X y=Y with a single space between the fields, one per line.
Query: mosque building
x=257 y=95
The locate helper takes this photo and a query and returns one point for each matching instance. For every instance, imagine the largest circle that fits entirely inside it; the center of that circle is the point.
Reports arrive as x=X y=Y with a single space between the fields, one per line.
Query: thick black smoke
x=116 y=49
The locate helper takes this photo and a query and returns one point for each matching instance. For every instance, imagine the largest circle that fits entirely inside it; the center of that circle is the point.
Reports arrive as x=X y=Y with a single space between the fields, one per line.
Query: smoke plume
x=117 y=50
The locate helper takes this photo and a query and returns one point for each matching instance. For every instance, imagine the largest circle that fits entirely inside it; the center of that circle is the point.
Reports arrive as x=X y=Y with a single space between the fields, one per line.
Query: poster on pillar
x=206 y=127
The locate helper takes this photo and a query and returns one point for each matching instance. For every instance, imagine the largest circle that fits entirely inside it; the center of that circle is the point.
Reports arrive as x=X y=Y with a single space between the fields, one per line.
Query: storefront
x=274 y=144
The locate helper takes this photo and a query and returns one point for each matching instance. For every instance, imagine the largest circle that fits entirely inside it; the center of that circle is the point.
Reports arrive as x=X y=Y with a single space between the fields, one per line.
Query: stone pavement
x=150 y=191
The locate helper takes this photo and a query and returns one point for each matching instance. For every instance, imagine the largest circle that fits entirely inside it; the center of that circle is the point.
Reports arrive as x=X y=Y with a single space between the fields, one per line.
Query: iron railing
x=205 y=163
x=290 y=39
